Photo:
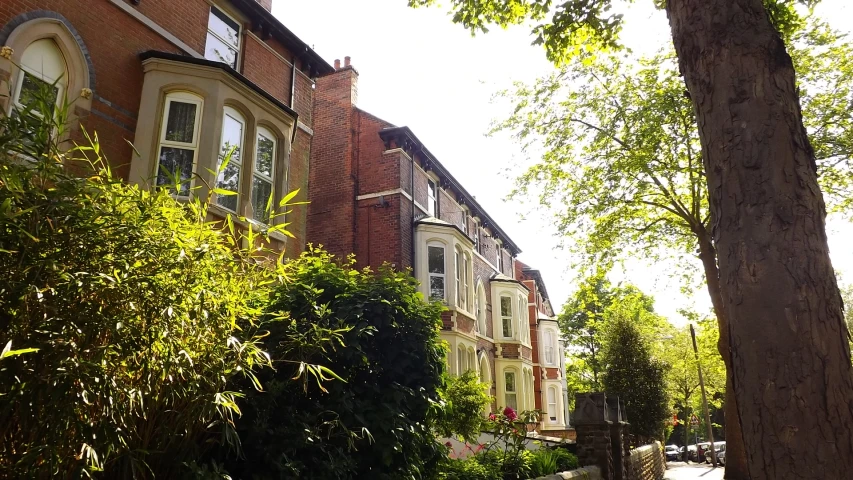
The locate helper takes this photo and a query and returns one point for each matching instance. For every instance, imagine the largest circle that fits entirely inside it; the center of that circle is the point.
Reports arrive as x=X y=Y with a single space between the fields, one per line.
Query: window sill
x=257 y=226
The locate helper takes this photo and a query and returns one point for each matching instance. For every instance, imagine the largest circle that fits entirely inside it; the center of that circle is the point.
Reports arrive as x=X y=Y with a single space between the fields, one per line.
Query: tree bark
x=736 y=468
x=791 y=366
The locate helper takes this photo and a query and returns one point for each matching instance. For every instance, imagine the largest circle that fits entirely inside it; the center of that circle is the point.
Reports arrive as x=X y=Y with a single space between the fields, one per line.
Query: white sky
x=420 y=70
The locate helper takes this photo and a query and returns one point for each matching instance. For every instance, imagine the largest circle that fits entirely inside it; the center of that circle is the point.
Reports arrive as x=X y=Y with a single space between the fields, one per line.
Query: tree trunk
x=791 y=366
x=736 y=468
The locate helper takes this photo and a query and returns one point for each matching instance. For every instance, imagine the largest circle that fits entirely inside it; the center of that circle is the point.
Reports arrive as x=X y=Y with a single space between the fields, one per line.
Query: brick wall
x=648 y=462
x=114 y=40
x=331 y=184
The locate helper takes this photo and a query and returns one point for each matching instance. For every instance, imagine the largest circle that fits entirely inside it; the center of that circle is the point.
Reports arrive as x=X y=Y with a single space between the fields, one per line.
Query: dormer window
x=223 y=38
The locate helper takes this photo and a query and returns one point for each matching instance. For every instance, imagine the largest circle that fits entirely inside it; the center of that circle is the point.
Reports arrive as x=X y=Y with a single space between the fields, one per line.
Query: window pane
x=261 y=193
x=506 y=307
x=436 y=287
x=181 y=122
x=224 y=27
x=33 y=88
x=511 y=402
x=216 y=50
x=509 y=379
x=436 y=259
x=232 y=137
x=176 y=164
x=507 y=327
x=229 y=179
x=265 y=156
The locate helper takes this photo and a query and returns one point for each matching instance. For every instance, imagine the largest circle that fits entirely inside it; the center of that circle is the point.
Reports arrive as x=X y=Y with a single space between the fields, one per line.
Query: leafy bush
x=469 y=469
x=465 y=399
x=543 y=462
x=140 y=310
x=376 y=422
x=566 y=460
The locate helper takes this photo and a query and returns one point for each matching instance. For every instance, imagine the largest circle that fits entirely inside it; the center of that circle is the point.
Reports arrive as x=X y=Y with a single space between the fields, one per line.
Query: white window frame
x=481 y=308
x=460 y=294
x=239 y=48
x=461 y=359
x=500 y=259
x=551 y=397
x=24 y=70
x=549 y=353
x=506 y=320
x=181 y=97
x=465 y=227
x=442 y=275
x=523 y=327
x=432 y=198
x=514 y=391
x=262 y=131
x=236 y=115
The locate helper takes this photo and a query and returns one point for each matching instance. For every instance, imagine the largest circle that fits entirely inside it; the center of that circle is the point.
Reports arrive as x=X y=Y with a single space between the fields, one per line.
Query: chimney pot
x=346 y=61
x=337 y=64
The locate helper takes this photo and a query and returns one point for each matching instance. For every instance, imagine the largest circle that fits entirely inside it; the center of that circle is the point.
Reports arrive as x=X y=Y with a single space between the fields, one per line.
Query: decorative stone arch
x=485 y=371
x=27 y=28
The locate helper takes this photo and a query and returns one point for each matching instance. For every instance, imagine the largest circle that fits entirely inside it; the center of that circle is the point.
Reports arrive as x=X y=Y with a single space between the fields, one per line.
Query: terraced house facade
x=183 y=83
x=377 y=191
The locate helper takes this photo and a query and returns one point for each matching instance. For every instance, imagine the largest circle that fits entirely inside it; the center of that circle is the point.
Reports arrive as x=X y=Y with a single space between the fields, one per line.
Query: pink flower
x=448 y=445
x=492 y=417
x=510 y=413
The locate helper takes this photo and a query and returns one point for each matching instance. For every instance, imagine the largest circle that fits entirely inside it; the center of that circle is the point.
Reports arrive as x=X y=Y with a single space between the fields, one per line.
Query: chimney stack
x=346 y=61
x=337 y=64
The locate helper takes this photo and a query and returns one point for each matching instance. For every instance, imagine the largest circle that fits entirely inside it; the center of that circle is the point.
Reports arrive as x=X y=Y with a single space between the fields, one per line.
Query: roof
x=222 y=66
x=265 y=21
x=500 y=277
x=408 y=137
x=536 y=275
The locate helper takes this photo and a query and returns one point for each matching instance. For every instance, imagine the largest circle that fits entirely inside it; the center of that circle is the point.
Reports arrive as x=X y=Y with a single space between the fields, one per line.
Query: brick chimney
x=266 y=4
x=331 y=184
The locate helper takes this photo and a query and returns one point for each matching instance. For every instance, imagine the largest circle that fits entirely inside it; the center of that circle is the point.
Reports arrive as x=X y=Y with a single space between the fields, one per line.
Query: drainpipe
x=293 y=81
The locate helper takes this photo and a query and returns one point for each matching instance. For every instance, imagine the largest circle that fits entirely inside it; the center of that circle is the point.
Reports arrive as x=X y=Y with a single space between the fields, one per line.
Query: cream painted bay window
x=263 y=176
x=228 y=178
x=523 y=327
x=510 y=390
x=435 y=266
x=223 y=38
x=552 y=404
x=549 y=347
x=179 y=142
x=481 y=308
x=506 y=316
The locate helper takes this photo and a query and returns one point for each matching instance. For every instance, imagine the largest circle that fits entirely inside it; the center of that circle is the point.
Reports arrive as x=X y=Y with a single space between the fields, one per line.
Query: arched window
x=485 y=371
x=552 y=404
x=481 y=308
x=179 y=141
x=523 y=329
x=472 y=360
x=263 y=175
x=549 y=346
x=228 y=178
x=460 y=277
x=467 y=272
x=435 y=266
x=506 y=316
x=461 y=360
x=43 y=74
x=510 y=390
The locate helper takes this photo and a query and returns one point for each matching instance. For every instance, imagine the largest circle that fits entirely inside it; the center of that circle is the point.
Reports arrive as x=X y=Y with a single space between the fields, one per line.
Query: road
x=692 y=471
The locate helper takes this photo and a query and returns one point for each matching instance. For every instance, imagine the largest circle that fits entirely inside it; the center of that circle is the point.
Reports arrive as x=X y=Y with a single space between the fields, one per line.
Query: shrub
x=566 y=460
x=543 y=462
x=469 y=469
x=140 y=310
x=465 y=400
x=375 y=423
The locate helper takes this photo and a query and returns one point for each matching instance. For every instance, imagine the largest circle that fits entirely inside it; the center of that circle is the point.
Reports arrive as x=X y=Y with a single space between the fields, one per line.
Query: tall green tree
x=767 y=211
x=638 y=378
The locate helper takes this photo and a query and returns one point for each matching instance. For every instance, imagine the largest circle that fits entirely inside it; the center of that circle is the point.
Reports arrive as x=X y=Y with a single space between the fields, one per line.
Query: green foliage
x=636 y=377
x=136 y=312
x=469 y=469
x=586 y=318
x=377 y=421
x=465 y=399
x=566 y=460
x=544 y=462
x=571 y=27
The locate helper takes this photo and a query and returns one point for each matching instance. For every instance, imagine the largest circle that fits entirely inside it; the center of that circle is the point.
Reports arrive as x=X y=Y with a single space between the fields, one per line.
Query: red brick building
x=182 y=81
x=377 y=191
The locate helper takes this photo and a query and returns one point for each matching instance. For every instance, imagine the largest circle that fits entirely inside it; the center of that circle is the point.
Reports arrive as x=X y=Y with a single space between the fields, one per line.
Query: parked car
x=720 y=447
x=694 y=455
x=672 y=452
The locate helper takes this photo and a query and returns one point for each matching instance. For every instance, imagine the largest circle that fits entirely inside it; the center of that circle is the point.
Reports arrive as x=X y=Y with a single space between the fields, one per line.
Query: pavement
x=692 y=471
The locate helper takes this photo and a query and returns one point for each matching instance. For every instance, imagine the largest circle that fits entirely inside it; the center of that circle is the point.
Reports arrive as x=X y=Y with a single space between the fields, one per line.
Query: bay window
x=231 y=149
x=506 y=316
x=549 y=347
x=481 y=308
x=179 y=142
x=263 y=175
x=552 y=404
x=510 y=390
x=523 y=327
x=435 y=266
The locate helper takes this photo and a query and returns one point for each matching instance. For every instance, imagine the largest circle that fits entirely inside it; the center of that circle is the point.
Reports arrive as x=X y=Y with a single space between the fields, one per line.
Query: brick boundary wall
x=586 y=473
x=648 y=462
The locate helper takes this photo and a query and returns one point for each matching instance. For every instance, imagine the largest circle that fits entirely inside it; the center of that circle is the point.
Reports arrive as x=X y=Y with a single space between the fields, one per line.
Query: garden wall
x=647 y=462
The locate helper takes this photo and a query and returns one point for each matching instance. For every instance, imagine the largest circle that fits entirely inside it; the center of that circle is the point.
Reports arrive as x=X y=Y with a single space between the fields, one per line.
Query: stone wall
x=647 y=462
x=586 y=473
